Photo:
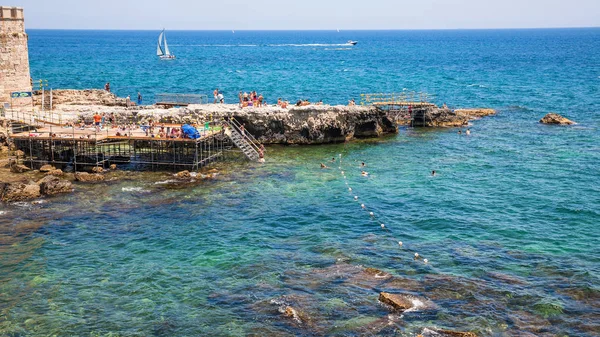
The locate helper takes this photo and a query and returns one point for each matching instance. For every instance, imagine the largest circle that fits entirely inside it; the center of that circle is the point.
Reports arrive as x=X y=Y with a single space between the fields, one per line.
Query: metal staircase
x=243 y=140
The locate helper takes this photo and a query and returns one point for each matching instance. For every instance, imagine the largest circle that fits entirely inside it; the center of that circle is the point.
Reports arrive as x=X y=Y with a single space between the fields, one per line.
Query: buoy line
x=371 y=213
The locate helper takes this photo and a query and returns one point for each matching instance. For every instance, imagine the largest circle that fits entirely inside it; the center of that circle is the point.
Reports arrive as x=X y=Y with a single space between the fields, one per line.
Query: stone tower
x=14 y=56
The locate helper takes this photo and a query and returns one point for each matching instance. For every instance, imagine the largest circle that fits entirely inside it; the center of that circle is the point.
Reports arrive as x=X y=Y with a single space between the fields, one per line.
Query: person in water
x=333 y=160
x=364 y=173
x=460 y=132
x=323 y=166
x=433 y=173
x=363 y=164
x=468 y=132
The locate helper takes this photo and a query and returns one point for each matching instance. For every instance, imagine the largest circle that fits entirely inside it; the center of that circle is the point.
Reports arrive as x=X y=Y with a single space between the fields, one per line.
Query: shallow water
x=508 y=225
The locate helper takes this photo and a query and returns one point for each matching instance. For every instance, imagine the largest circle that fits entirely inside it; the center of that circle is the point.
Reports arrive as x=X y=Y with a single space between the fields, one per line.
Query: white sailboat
x=163 y=54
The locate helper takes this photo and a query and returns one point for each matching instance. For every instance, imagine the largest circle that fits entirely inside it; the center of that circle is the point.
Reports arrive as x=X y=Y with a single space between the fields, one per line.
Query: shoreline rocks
x=554 y=118
x=51 y=185
x=85 y=177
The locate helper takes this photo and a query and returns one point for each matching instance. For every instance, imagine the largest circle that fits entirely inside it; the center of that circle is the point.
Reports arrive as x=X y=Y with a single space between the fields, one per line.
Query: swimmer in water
x=364 y=174
x=333 y=160
x=468 y=132
x=433 y=173
x=323 y=166
x=460 y=132
x=362 y=164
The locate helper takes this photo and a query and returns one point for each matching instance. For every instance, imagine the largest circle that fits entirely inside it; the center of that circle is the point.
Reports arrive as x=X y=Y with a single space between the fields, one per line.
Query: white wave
x=134 y=189
x=170 y=181
x=417 y=305
x=309 y=45
x=215 y=45
x=477 y=85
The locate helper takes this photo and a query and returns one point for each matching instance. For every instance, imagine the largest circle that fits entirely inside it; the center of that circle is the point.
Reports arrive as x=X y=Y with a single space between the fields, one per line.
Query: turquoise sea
x=510 y=224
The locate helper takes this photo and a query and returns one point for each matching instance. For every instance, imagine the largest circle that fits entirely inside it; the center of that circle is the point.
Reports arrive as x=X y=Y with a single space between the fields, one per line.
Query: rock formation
x=47 y=168
x=397 y=301
x=19 y=191
x=553 y=118
x=85 y=177
x=82 y=97
x=51 y=185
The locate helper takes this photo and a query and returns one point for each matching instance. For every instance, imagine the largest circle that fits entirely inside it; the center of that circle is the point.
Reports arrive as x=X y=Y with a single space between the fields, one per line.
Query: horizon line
x=319 y=30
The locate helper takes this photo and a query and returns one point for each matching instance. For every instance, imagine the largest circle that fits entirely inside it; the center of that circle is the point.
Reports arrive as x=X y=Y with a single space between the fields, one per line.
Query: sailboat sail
x=166 y=47
x=163 y=51
x=159 y=51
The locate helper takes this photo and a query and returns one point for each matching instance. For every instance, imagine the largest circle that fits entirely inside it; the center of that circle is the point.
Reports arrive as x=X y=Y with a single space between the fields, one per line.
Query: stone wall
x=14 y=56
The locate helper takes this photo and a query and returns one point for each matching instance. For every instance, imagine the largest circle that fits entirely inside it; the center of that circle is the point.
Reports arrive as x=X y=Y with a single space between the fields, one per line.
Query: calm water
x=509 y=225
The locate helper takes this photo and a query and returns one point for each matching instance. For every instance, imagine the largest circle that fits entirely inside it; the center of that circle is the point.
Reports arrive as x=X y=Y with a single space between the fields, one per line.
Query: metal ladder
x=243 y=140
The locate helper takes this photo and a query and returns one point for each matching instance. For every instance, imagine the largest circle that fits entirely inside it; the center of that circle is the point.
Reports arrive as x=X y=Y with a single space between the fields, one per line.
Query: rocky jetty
x=82 y=97
x=553 y=118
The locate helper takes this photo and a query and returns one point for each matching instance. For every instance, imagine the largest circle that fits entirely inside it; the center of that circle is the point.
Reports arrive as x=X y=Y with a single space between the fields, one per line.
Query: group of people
x=251 y=99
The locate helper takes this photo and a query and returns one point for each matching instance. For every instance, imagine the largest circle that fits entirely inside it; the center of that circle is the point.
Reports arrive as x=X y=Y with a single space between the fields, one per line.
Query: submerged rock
x=51 y=185
x=553 y=118
x=87 y=177
x=19 y=191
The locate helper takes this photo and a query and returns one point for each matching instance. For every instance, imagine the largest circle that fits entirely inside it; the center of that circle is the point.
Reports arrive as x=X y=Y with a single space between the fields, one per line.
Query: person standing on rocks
x=97 y=120
x=139 y=98
x=107 y=86
x=216 y=95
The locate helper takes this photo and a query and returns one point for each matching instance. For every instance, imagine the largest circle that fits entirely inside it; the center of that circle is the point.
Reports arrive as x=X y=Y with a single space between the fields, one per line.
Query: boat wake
x=268 y=45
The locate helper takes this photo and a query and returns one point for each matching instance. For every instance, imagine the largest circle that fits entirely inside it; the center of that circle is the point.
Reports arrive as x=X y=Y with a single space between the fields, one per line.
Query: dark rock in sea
x=433 y=332
x=19 y=191
x=47 y=168
x=85 y=177
x=553 y=118
x=396 y=301
x=51 y=185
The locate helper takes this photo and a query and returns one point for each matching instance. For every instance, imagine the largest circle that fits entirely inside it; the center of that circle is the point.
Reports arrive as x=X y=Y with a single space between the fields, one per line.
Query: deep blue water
x=509 y=225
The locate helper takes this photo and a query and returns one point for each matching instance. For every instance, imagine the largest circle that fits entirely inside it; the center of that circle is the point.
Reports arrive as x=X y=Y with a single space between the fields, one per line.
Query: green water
x=508 y=226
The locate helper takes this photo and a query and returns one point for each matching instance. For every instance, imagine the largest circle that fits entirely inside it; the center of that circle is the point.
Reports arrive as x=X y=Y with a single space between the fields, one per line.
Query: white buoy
x=362 y=205
x=371 y=214
x=426 y=261
x=356 y=197
x=400 y=243
x=382 y=226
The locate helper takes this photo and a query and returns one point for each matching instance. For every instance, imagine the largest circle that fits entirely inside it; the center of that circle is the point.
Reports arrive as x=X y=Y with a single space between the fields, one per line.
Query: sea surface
x=509 y=225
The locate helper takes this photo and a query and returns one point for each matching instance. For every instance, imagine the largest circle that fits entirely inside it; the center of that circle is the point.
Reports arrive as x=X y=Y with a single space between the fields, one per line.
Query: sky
x=306 y=14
